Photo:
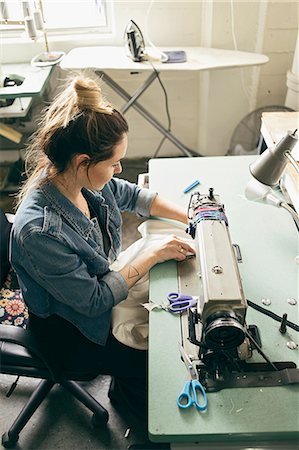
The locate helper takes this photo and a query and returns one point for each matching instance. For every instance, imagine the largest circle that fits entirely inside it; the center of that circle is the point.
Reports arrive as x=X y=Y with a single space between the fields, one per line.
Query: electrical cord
x=272 y=315
x=291 y=211
x=158 y=76
x=160 y=54
x=245 y=90
x=258 y=348
x=166 y=106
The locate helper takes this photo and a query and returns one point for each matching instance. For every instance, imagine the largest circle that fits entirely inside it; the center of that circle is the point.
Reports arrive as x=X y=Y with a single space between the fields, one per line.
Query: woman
x=66 y=235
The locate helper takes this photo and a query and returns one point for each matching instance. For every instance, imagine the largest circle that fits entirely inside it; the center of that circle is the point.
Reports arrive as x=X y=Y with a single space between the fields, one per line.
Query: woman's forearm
x=165 y=208
x=171 y=247
x=137 y=268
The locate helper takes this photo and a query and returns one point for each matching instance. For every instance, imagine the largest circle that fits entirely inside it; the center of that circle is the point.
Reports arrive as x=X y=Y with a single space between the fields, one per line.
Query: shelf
x=19 y=108
x=35 y=80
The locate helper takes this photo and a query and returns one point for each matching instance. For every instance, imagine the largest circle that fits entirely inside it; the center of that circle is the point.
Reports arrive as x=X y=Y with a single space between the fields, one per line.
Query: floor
x=61 y=423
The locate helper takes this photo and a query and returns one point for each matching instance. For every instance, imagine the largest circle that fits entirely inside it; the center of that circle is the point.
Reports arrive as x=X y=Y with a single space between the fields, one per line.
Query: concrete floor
x=61 y=422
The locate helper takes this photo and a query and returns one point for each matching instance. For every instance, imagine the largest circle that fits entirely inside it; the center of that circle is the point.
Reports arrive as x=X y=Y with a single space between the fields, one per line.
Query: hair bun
x=89 y=96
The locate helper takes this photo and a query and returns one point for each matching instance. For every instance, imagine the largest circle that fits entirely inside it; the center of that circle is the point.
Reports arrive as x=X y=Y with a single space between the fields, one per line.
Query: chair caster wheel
x=99 y=420
x=8 y=442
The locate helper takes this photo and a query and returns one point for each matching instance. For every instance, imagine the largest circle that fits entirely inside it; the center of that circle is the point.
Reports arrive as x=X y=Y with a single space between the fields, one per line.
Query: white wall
x=204 y=108
x=268 y=27
x=279 y=44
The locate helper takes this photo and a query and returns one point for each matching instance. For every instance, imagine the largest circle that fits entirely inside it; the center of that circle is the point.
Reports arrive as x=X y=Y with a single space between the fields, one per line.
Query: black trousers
x=71 y=350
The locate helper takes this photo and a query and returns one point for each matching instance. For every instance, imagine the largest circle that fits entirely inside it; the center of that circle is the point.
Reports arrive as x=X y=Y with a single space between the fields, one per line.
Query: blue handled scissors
x=193 y=390
x=180 y=302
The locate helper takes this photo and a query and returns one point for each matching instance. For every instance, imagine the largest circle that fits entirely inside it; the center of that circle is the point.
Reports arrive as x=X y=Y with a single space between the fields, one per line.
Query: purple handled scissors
x=180 y=302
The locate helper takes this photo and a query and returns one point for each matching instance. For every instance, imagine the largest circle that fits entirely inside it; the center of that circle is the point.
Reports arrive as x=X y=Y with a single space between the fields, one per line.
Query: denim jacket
x=59 y=257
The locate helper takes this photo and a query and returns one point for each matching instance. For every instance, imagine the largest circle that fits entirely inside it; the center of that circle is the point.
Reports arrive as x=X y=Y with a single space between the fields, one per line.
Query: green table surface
x=268 y=239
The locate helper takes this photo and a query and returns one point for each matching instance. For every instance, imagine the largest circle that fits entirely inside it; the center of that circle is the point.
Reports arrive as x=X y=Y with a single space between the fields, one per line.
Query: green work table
x=267 y=417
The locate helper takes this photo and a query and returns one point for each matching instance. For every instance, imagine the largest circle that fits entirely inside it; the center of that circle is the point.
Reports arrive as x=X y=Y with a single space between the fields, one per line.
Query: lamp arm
x=291 y=211
x=292 y=160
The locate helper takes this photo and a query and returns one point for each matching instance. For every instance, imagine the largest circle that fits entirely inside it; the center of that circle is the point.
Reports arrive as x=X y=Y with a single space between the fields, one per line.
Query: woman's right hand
x=172 y=247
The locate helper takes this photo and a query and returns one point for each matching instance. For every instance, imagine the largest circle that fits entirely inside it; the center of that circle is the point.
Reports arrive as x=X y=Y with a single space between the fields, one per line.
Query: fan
x=134 y=42
x=246 y=138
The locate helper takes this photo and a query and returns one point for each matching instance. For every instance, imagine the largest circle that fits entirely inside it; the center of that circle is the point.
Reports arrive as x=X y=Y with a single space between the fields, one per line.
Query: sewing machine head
x=222 y=305
x=218 y=339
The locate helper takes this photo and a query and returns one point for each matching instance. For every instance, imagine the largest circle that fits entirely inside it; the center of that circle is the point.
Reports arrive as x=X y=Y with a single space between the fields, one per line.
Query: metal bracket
x=257 y=375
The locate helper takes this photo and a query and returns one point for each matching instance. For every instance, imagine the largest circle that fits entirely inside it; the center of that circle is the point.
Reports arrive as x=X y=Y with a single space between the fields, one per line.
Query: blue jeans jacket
x=59 y=257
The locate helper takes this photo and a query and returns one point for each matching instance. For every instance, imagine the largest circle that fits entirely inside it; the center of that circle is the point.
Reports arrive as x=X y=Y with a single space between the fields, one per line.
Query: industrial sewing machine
x=215 y=334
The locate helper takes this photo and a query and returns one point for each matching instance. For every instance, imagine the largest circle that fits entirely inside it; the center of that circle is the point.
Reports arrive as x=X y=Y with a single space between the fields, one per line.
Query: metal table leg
x=139 y=91
x=132 y=101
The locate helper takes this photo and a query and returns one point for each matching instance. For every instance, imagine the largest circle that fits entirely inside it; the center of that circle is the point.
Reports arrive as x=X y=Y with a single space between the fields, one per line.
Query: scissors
x=180 y=302
x=193 y=390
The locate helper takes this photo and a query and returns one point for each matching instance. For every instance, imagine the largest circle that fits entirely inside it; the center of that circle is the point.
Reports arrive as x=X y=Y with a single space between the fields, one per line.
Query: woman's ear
x=81 y=160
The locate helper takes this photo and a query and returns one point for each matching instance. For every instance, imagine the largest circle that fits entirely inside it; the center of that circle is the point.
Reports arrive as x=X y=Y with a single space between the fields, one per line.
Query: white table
x=102 y=59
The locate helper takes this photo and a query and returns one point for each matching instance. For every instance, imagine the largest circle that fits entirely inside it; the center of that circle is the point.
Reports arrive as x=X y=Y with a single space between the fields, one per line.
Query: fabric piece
x=130 y=317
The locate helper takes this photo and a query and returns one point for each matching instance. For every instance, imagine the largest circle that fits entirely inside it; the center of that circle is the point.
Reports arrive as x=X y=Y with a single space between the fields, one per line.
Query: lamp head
x=258 y=192
x=269 y=166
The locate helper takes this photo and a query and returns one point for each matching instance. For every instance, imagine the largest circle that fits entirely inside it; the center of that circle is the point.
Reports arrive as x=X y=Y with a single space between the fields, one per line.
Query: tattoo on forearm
x=133 y=272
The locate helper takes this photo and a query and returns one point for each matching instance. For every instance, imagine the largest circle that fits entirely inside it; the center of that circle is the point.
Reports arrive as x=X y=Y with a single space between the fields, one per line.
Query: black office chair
x=22 y=354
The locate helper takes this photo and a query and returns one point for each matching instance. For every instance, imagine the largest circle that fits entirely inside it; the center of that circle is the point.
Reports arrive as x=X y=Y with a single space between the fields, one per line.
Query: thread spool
x=26 y=8
x=38 y=20
x=3 y=10
x=30 y=27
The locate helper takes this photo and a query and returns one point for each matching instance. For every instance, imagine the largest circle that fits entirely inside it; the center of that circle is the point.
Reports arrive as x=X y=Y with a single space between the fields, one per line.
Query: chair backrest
x=5 y=227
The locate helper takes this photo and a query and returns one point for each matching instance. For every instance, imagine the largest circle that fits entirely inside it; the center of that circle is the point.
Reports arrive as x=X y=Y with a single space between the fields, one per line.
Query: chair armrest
x=26 y=339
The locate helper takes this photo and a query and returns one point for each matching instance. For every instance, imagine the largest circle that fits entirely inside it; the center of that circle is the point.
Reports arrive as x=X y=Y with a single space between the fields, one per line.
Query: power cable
x=166 y=107
x=272 y=315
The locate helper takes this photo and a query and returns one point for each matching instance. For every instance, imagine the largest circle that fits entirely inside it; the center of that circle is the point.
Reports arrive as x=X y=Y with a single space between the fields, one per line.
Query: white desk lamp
x=267 y=170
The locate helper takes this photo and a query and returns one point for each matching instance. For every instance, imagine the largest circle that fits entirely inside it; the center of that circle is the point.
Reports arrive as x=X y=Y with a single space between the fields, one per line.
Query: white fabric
x=130 y=318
